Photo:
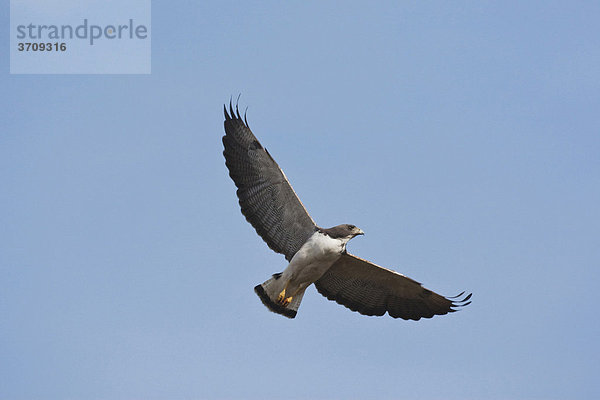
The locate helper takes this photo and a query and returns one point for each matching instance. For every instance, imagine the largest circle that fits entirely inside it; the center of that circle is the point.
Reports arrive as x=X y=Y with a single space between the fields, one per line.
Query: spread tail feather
x=268 y=292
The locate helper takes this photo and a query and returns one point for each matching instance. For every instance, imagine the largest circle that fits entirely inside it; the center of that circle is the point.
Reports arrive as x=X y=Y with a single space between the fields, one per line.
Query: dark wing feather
x=267 y=199
x=372 y=290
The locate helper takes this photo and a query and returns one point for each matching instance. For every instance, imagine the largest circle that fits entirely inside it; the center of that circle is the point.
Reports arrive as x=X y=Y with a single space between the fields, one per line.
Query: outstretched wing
x=267 y=199
x=372 y=290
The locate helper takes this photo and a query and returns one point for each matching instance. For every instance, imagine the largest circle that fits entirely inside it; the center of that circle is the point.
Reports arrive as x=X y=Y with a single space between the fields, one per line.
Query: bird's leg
x=281 y=299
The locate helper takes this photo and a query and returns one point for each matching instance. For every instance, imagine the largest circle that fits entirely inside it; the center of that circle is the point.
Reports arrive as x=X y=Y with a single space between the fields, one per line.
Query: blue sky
x=462 y=137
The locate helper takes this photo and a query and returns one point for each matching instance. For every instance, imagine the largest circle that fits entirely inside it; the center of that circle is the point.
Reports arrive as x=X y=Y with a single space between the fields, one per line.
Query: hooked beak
x=360 y=232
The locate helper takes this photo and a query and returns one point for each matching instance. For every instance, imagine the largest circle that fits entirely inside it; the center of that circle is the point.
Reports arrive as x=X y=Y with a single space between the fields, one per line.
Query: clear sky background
x=462 y=137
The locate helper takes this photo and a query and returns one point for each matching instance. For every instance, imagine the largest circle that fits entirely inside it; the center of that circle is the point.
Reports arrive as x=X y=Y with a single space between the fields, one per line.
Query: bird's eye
x=351 y=227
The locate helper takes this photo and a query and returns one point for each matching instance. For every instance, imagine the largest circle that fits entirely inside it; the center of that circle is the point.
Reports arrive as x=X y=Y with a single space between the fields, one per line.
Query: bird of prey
x=316 y=255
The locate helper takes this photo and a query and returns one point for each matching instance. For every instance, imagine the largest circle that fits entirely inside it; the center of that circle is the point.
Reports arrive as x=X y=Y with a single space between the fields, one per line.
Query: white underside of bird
x=313 y=259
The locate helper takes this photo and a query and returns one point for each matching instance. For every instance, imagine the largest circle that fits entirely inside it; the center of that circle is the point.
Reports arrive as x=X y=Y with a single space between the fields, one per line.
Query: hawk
x=315 y=255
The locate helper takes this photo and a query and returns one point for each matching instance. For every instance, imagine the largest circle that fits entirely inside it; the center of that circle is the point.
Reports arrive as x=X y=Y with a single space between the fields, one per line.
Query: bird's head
x=353 y=230
x=344 y=231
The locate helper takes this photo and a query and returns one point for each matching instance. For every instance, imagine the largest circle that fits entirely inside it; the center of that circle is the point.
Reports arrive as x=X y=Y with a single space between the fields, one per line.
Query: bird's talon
x=281 y=297
x=282 y=300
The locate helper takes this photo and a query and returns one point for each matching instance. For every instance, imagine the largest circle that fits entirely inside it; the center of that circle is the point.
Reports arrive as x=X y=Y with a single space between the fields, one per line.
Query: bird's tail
x=268 y=292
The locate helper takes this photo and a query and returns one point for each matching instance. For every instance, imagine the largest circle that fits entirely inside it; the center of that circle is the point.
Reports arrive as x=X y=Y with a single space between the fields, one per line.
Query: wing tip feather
x=460 y=301
x=233 y=114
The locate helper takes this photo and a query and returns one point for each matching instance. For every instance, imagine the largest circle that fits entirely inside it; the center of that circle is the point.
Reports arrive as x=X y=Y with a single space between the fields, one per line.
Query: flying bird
x=315 y=255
